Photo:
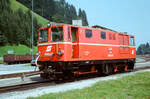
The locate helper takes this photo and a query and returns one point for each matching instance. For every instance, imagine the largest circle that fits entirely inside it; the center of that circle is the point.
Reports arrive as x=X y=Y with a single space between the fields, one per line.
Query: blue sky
x=132 y=16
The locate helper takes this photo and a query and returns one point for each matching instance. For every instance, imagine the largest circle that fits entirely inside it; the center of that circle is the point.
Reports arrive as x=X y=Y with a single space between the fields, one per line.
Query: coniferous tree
x=143 y=49
x=147 y=45
x=56 y=10
x=83 y=17
x=15 y=27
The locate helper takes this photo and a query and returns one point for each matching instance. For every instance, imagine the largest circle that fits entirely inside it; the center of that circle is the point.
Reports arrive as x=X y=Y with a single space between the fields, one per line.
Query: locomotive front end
x=49 y=43
x=51 y=49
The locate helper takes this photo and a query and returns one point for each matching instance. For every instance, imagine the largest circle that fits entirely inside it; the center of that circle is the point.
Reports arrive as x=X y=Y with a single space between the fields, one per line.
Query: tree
x=147 y=45
x=58 y=18
x=53 y=10
x=82 y=15
x=139 y=51
x=3 y=39
x=143 y=49
x=15 y=27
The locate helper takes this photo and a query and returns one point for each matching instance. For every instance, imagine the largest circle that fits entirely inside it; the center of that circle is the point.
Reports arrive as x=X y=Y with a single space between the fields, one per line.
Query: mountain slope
x=15 y=5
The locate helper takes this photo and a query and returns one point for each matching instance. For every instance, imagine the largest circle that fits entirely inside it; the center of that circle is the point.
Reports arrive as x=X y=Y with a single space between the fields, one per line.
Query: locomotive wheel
x=107 y=69
x=125 y=67
x=68 y=75
x=44 y=75
x=130 y=66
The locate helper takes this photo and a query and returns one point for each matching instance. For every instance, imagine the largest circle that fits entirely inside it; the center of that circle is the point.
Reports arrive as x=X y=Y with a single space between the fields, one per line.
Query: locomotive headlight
x=60 y=53
x=51 y=54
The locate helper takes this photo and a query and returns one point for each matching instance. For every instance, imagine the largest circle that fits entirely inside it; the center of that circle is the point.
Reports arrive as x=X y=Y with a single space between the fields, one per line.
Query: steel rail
x=22 y=74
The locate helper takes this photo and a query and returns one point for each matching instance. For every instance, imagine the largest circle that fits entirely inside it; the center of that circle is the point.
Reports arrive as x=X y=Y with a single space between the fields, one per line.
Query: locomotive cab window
x=57 y=34
x=103 y=35
x=132 y=40
x=43 y=35
x=88 y=33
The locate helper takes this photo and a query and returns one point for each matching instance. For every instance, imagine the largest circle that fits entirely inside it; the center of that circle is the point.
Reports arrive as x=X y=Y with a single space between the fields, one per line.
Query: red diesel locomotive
x=67 y=51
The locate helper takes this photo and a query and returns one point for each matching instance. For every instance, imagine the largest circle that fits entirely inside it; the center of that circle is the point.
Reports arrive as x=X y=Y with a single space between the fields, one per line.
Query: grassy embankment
x=18 y=50
x=15 y=5
x=1 y=61
x=131 y=87
x=21 y=49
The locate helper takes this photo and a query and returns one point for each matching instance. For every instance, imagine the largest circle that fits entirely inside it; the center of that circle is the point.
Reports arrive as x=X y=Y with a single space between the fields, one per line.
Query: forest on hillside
x=16 y=26
x=56 y=10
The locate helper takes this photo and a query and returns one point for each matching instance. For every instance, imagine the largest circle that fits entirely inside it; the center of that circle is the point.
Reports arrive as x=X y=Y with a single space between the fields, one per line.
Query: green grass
x=1 y=61
x=18 y=50
x=131 y=87
x=28 y=65
x=15 y=5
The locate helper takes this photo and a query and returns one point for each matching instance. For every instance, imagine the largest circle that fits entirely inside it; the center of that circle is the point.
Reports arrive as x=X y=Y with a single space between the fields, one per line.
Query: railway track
x=37 y=84
x=25 y=86
x=22 y=75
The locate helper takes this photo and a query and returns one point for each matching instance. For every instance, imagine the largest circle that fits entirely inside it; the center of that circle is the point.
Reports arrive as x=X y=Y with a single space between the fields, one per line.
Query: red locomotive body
x=72 y=50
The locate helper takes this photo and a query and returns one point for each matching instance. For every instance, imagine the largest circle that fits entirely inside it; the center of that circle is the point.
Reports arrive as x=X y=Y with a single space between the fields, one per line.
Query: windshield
x=57 y=34
x=43 y=35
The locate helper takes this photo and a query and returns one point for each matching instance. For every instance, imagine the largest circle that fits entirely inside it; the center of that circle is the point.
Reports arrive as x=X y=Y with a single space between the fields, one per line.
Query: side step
x=83 y=73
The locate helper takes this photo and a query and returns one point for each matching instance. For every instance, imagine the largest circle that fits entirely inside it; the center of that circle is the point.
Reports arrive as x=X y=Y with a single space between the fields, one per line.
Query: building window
x=103 y=35
x=88 y=33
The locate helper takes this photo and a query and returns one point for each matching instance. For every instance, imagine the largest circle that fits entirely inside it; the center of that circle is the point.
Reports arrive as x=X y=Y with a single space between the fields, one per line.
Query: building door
x=75 y=42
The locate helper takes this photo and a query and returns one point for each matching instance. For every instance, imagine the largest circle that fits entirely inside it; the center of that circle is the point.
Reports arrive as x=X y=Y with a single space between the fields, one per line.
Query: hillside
x=16 y=27
x=18 y=49
x=59 y=11
x=15 y=5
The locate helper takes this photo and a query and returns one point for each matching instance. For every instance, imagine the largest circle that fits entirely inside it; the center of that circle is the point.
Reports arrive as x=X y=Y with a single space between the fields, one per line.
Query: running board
x=83 y=73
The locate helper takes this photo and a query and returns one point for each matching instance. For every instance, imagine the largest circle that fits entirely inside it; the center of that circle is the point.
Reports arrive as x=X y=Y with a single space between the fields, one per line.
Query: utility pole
x=32 y=31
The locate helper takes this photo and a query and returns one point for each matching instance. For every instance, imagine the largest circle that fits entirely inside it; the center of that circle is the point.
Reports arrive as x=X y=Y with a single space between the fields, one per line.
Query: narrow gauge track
x=43 y=83
x=26 y=86
x=22 y=75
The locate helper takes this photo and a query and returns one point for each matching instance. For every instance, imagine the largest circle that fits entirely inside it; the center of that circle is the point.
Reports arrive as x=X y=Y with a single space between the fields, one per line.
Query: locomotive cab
x=54 y=41
x=49 y=47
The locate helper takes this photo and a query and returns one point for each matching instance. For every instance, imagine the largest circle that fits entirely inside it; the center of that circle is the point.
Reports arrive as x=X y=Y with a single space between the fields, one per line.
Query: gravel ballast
x=62 y=87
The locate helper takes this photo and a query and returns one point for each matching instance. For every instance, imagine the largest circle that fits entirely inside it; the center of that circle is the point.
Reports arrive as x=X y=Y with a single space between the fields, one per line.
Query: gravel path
x=62 y=87
x=142 y=64
x=140 y=59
